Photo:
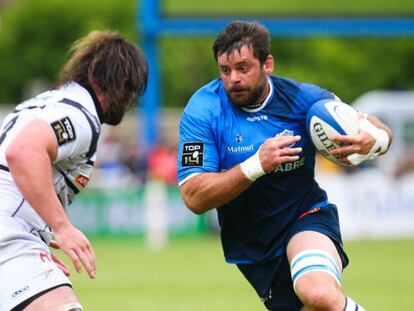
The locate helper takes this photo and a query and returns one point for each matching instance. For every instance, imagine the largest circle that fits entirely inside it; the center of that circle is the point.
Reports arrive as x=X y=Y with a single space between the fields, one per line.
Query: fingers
x=279 y=150
x=349 y=144
x=79 y=250
x=61 y=265
x=346 y=150
x=54 y=244
x=87 y=261
x=345 y=139
x=85 y=258
x=285 y=141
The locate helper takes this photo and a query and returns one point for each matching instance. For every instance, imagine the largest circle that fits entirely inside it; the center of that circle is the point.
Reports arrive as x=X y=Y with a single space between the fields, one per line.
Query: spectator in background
x=162 y=163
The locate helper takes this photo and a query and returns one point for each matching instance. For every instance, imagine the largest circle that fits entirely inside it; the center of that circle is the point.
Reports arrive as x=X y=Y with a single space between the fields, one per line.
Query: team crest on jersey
x=193 y=154
x=64 y=131
x=239 y=138
x=286 y=132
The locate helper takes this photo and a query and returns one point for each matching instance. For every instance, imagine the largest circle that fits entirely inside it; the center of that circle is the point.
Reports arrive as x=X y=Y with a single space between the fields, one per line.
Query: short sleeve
x=197 y=151
x=71 y=130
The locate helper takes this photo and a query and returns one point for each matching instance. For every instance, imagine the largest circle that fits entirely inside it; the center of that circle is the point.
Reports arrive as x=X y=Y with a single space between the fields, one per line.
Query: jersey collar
x=266 y=101
x=83 y=95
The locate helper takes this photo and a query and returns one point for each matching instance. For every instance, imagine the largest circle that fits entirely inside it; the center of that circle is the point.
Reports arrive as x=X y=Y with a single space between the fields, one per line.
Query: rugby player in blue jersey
x=244 y=150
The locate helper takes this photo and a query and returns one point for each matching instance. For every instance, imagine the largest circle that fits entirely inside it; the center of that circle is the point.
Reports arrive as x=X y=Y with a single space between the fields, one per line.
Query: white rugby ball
x=327 y=117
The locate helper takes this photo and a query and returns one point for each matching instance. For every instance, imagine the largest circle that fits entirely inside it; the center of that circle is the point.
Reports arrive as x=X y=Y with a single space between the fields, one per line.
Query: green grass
x=190 y=274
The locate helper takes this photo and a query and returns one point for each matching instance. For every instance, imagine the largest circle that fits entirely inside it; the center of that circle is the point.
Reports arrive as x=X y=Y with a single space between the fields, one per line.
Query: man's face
x=244 y=78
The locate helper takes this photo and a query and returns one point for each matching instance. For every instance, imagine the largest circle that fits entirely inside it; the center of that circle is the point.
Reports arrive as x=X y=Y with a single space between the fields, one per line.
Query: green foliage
x=190 y=274
x=286 y=7
x=347 y=66
x=36 y=34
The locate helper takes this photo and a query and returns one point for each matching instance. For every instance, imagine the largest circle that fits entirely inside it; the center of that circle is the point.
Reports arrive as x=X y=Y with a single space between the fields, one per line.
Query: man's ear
x=269 y=64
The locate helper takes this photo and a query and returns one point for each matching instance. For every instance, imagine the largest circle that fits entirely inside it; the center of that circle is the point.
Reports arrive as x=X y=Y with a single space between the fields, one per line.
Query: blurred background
x=152 y=253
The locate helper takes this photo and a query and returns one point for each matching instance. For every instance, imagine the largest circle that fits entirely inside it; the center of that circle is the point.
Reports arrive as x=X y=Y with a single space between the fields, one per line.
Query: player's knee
x=71 y=307
x=319 y=298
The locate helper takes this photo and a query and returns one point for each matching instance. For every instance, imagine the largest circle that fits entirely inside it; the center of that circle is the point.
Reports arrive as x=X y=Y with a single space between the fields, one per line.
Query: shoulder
x=299 y=95
x=306 y=91
x=206 y=102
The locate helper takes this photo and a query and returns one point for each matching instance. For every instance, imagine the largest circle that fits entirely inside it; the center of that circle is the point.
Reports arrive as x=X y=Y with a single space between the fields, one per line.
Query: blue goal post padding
x=153 y=25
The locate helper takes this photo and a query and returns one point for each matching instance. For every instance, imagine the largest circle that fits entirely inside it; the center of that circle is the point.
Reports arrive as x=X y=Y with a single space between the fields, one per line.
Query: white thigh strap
x=314 y=260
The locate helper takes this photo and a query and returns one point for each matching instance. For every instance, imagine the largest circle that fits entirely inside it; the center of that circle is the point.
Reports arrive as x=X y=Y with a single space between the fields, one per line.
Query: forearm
x=210 y=190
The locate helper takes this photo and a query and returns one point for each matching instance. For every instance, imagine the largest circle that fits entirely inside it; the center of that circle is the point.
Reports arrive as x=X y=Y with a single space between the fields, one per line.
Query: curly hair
x=240 y=33
x=118 y=67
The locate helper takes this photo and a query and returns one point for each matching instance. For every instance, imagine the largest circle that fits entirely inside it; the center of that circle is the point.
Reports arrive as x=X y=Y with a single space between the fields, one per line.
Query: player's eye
x=244 y=69
x=225 y=70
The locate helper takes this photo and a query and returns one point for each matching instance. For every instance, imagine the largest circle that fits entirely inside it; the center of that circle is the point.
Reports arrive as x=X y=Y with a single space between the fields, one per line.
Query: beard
x=245 y=96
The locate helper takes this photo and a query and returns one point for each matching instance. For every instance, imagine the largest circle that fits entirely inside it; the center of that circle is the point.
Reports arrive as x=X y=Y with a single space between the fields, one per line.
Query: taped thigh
x=314 y=260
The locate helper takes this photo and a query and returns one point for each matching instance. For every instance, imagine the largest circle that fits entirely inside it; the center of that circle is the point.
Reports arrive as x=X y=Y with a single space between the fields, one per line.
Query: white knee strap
x=314 y=260
x=71 y=307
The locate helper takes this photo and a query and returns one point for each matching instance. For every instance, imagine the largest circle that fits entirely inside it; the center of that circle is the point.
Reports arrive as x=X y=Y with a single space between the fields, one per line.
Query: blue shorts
x=272 y=280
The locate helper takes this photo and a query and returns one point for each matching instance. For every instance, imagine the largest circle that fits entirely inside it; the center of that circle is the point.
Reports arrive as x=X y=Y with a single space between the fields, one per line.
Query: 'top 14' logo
x=193 y=154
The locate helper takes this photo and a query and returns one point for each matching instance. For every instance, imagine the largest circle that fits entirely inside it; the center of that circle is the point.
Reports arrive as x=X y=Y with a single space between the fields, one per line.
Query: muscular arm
x=29 y=158
x=210 y=190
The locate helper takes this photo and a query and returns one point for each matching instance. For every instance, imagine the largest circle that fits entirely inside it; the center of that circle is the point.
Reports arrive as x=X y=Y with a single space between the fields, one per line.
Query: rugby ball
x=328 y=117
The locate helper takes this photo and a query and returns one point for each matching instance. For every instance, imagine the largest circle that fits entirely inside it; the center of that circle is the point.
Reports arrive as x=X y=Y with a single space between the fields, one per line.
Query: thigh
x=316 y=266
x=25 y=264
x=52 y=299
x=308 y=240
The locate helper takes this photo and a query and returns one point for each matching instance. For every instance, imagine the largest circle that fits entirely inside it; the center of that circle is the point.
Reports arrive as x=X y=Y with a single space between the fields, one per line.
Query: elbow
x=194 y=207
x=12 y=155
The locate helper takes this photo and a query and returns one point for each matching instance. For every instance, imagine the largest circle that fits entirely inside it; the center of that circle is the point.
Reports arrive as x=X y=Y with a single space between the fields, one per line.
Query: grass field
x=190 y=274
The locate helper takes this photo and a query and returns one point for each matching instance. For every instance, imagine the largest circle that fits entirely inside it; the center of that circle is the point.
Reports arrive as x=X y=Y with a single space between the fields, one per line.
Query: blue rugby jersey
x=216 y=135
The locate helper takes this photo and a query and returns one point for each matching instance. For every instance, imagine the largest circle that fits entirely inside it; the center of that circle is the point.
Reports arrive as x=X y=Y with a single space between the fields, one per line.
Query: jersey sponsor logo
x=19 y=291
x=240 y=149
x=64 y=131
x=193 y=154
x=256 y=118
x=82 y=180
x=290 y=166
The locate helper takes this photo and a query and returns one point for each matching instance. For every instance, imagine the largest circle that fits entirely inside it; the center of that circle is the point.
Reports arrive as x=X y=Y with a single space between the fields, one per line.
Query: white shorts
x=26 y=267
